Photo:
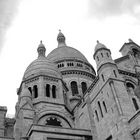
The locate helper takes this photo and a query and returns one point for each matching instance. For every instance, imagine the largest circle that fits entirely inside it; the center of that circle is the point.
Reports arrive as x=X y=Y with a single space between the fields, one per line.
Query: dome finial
x=61 y=39
x=41 y=49
x=98 y=41
x=130 y=40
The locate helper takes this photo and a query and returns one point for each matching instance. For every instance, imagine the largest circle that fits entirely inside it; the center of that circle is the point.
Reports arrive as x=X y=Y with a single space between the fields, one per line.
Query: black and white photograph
x=69 y=69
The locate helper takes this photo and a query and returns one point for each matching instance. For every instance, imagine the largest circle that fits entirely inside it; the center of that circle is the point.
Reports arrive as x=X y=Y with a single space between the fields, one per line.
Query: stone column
x=41 y=89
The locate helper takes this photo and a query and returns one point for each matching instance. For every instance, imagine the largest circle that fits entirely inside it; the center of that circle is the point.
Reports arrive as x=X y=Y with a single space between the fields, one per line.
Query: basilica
x=62 y=97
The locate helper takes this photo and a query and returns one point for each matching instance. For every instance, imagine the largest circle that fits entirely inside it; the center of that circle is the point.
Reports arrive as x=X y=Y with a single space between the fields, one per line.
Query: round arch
x=57 y=114
x=130 y=83
x=136 y=51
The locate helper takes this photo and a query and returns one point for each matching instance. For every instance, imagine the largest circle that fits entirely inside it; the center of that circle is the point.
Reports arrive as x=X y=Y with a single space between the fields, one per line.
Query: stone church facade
x=61 y=97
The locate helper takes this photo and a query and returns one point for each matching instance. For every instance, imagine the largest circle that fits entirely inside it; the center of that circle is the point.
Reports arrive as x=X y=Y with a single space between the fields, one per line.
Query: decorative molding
x=127 y=73
x=78 y=72
x=50 y=78
x=76 y=60
x=45 y=77
x=31 y=79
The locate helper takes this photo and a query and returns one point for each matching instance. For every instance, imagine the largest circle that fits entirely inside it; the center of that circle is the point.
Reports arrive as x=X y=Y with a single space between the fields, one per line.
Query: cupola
x=63 y=52
x=41 y=66
x=102 y=55
x=61 y=39
x=41 y=50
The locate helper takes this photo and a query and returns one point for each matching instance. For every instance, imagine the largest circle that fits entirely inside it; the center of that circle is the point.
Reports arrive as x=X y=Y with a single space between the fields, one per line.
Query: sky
x=23 y=23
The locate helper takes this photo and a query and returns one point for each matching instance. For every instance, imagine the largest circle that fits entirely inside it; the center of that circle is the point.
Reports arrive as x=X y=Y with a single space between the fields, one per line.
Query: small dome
x=41 y=50
x=99 y=46
x=41 y=66
x=61 y=38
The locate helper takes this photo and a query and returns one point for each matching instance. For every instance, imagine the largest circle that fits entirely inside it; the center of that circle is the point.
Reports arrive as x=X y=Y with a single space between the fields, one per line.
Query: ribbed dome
x=65 y=52
x=42 y=66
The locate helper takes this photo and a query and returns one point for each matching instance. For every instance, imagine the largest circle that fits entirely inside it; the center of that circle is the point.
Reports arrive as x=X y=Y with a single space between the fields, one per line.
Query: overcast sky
x=23 y=23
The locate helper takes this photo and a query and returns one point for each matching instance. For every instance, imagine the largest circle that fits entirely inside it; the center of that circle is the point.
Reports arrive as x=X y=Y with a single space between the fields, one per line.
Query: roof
x=41 y=66
x=99 y=46
x=65 y=52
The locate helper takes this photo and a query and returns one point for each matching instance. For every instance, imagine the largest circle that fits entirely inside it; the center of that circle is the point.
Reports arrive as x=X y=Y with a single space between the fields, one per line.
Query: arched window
x=130 y=85
x=48 y=90
x=53 y=121
x=97 y=117
x=135 y=104
x=135 y=52
x=54 y=91
x=35 y=89
x=97 y=58
x=107 y=54
x=102 y=54
x=30 y=89
x=115 y=73
x=103 y=77
x=84 y=87
x=105 y=108
x=74 y=88
x=99 y=105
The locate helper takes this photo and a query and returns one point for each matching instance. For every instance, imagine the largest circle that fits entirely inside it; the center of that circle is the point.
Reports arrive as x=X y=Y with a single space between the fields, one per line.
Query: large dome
x=65 y=52
x=41 y=66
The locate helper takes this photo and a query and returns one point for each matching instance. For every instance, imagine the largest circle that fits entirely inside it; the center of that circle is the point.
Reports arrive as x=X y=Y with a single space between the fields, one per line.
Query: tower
x=107 y=98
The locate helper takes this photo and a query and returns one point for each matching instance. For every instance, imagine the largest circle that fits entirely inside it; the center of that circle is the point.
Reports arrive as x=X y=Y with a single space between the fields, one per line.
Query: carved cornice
x=45 y=77
x=78 y=72
x=31 y=79
x=127 y=73
x=50 y=78
x=76 y=60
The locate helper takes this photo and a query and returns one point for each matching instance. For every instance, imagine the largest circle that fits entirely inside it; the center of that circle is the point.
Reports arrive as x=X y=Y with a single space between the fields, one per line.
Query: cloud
x=8 y=9
x=105 y=8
